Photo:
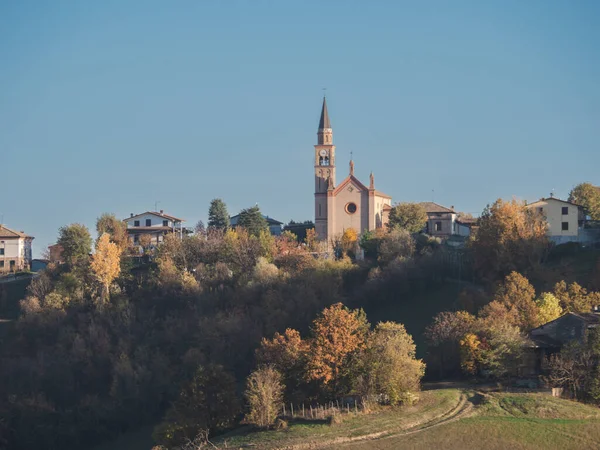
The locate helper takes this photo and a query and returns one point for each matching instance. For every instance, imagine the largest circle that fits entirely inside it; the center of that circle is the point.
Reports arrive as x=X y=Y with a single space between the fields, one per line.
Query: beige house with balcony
x=565 y=219
x=349 y=204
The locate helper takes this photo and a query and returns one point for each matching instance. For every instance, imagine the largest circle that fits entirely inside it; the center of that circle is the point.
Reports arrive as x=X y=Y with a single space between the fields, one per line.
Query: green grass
x=497 y=421
x=432 y=405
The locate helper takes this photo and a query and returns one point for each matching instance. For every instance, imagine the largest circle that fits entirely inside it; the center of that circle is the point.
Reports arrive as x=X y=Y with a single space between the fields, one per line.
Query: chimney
x=452 y=207
x=551 y=194
x=130 y=214
x=161 y=211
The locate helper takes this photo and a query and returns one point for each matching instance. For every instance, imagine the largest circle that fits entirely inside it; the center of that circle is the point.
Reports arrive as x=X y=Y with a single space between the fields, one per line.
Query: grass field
x=448 y=419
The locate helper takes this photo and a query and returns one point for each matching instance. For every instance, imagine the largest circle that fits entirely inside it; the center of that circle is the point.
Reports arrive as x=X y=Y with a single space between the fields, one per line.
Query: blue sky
x=110 y=106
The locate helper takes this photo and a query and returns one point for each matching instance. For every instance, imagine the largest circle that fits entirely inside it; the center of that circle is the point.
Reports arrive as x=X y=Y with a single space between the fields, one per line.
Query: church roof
x=350 y=179
x=324 y=122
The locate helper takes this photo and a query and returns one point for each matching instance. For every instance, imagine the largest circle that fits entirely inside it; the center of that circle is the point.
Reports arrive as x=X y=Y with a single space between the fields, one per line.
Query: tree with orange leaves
x=106 y=262
x=338 y=334
x=286 y=353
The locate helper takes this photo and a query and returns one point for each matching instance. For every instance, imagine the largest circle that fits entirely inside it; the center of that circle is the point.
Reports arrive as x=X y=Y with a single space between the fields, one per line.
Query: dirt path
x=462 y=409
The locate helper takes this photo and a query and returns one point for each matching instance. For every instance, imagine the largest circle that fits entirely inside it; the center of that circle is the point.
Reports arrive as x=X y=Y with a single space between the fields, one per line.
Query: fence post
x=303 y=410
x=284 y=410
x=292 y=409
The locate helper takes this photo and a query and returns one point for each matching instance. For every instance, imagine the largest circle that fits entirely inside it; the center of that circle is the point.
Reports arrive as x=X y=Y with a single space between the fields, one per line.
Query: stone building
x=349 y=204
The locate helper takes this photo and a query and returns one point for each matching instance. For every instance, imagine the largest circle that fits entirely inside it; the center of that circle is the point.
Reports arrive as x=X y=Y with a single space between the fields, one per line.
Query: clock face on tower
x=323 y=152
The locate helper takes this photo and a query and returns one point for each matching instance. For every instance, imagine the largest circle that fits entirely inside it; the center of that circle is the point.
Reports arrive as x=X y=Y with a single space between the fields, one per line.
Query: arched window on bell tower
x=324 y=160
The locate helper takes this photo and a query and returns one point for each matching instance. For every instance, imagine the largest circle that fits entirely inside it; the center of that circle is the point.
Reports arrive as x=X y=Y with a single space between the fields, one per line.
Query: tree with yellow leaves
x=106 y=262
x=349 y=241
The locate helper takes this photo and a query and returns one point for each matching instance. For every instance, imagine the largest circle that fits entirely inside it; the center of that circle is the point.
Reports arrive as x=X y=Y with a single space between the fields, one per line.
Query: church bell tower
x=324 y=171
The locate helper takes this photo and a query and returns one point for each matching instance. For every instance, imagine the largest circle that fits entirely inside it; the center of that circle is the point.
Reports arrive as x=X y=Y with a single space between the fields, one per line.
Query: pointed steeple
x=324 y=122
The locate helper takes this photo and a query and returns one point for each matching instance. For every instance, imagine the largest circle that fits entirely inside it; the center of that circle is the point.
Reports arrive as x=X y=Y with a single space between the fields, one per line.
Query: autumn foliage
x=106 y=262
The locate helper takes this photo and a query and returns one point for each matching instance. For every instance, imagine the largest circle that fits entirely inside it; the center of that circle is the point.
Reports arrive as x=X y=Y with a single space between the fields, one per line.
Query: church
x=349 y=204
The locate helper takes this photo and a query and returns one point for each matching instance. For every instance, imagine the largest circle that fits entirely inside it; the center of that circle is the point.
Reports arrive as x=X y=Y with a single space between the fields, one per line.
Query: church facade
x=349 y=204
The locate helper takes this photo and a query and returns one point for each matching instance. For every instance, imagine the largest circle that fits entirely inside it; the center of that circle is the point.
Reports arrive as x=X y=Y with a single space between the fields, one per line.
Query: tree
x=548 y=308
x=337 y=334
x=575 y=298
x=200 y=229
x=391 y=367
x=577 y=367
x=411 y=217
x=264 y=392
x=106 y=262
x=115 y=228
x=207 y=402
x=218 y=217
x=443 y=338
x=287 y=353
x=588 y=196
x=349 y=242
x=516 y=293
x=252 y=220
x=76 y=243
x=398 y=243
x=510 y=237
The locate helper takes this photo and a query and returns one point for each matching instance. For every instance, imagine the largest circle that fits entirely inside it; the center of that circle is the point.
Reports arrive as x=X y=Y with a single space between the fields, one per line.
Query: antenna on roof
x=324 y=92
x=552 y=193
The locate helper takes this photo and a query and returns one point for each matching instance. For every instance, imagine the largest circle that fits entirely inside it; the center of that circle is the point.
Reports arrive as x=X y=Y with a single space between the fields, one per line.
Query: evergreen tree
x=218 y=217
x=252 y=220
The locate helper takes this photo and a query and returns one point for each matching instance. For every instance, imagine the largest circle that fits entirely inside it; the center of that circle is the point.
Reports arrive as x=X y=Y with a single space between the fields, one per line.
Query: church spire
x=324 y=122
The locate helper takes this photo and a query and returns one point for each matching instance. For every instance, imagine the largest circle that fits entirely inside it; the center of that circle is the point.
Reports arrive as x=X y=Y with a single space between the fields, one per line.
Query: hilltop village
x=247 y=331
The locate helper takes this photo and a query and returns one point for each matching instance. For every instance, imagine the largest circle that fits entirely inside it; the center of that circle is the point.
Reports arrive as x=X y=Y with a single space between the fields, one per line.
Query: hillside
x=444 y=418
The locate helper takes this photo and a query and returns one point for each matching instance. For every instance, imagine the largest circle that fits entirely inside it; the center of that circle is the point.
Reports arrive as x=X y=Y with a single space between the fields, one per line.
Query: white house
x=15 y=250
x=154 y=224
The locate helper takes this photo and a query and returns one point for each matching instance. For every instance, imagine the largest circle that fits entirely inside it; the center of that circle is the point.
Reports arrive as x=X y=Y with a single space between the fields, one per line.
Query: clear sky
x=109 y=106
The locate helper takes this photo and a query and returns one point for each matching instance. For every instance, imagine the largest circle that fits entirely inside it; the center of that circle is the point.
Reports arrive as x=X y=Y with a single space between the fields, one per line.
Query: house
x=549 y=338
x=441 y=221
x=55 y=253
x=15 y=250
x=153 y=224
x=274 y=225
x=565 y=219
x=464 y=226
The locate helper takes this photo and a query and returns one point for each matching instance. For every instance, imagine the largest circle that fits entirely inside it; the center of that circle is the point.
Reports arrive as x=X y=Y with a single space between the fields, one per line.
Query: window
x=136 y=238
x=541 y=210
x=351 y=208
x=565 y=226
x=2 y=251
x=565 y=210
x=1 y=263
x=324 y=161
x=438 y=226
x=148 y=222
x=136 y=223
x=165 y=223
x=12 y=263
